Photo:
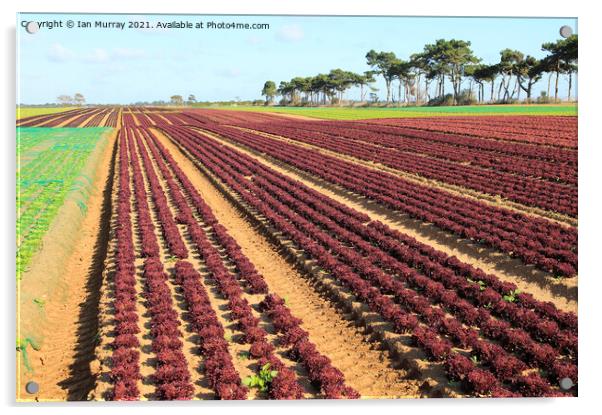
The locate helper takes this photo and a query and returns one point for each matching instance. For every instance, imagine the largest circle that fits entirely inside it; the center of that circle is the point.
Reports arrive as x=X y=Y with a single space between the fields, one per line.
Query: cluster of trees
x=321 y=88
x=76 y=99
x=450 y=62
x=179 y=100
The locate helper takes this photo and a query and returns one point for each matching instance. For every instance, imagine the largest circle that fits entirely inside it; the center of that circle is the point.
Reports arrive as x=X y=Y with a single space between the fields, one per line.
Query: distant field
x=50 y=163
x=24 y=112
x=346 y=113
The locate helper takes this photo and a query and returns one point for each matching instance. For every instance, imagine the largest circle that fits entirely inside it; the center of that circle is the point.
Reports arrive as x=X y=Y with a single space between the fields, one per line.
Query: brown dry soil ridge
x=104 y=305
x=453 y=189
x=542 y=285
x=366 y=367
x=61 y=366
x=294 y=116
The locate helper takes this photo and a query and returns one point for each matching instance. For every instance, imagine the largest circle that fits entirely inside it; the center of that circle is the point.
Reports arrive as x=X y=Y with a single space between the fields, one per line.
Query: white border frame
x=590 y=145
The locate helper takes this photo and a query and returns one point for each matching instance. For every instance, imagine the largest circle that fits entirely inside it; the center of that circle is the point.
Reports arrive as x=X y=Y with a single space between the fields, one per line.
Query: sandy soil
x=61 y=367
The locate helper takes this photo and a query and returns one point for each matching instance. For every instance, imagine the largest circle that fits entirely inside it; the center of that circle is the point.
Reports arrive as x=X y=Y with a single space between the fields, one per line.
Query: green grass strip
x=346 y=113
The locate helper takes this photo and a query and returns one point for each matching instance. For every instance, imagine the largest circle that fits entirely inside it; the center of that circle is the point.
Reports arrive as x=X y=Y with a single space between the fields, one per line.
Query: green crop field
x=49 y=167
x=24 y=112
x=346 y=113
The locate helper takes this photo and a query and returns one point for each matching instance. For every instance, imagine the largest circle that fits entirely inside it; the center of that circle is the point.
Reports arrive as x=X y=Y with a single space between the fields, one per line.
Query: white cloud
x=229 y=72
x=254 y=40
x=59 y=53
x=97 y=56
x=290 y=33
x=124 y=53
x=108 y=71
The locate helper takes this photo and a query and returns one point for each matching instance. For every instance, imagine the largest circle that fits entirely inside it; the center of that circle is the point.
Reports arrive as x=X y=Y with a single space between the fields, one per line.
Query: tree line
x=421 y=79
x=77 y=99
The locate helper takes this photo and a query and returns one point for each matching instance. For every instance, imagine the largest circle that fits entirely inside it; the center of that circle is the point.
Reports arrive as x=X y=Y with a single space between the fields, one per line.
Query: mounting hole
x=32 y=27
x=32 y=387
x=566 y=384
x=566 y=31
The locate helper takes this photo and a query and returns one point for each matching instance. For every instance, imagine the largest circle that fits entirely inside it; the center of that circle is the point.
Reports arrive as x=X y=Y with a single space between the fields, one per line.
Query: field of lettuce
x=251 y=255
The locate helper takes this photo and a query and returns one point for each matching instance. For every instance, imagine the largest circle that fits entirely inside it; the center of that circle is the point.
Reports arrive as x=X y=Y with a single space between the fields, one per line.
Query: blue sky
x=125 y=66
